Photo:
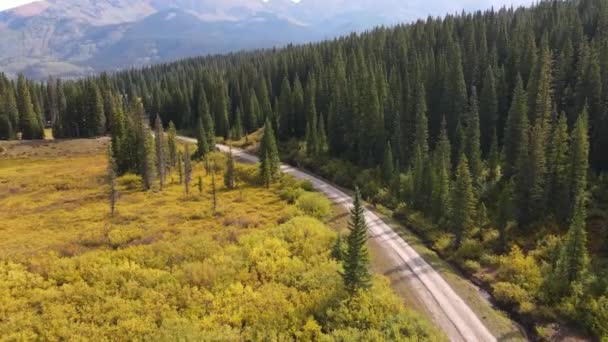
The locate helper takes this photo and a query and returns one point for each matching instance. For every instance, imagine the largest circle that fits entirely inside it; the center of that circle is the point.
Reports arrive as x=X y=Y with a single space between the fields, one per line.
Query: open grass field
x=58 y=190
x=166 y=267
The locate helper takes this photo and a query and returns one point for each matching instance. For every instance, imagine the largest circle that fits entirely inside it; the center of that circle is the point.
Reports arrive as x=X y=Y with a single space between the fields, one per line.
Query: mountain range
x=74 y=38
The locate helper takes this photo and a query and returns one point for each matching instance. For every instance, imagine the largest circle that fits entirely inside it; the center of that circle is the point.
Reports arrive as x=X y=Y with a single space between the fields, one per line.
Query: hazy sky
x=6 y=4
x=451 y=4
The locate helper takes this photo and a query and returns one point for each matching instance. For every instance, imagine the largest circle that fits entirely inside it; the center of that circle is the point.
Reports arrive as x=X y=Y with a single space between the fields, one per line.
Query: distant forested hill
x=493 y=126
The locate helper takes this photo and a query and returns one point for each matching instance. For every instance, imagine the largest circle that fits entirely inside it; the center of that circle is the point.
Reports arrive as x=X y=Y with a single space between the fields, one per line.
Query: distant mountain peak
x=78 y=37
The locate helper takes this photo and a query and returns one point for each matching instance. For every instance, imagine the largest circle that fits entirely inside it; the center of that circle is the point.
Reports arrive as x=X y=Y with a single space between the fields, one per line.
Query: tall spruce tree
x=147 y=155
x=356 y=274
x=493 y=159
x=321 y=136
x=161 y=166
x=112 y=193
x=229 y=176
x=573 y=262
x=30 y=124
x=558 y=173
x=180 y=169
x=286 y=111
x=208 y=123
x=202 y=146
x=517 y=129
x=213 y=187
x=464 y=203
x=6 y=128
x=472 y=137
x=172 y=144
x=388 y=164
x=187 y=168
x=94 y=111
x=269 y=155
x=579 y=161
x=488 y=110
x=237 y=130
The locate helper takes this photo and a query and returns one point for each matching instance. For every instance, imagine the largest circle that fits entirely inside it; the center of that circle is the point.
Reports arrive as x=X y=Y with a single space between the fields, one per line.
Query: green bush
x=315 y=204
x=122 y=236
x=470 y=249
x=401 y=211
x=130 y=181
x=288 y=213
x=472 y=266
x=306 y=185
x=599 y=313
x=443 y=243
x=520 y=269
x=512 y=294
x=290 y=195
x=247 y=173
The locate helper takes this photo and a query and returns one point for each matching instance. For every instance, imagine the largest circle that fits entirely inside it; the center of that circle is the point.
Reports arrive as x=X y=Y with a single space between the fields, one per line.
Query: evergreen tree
x=237 y=130
x=30 y=124
x=213 y=188
x=488 y=110
x=388 y=164
x=312 y=141
x=147 y=154
x=121 y=141
x=504 y=213
x=9 y=108
x=286 y=111
x=541 y=100
x=321 y=136
x=472 y=137
x=298 y=122
x=558 y=185
x=113 y=193
x=254 y=113
x=180 y=169
x=493 y=158
x=229 y=180
x=6 y=128
x=187 y=168
x=442 y=205
x=517 y=129
x=464 y=203
x=208 y=123
x=573 y=262
x=579 y=160
x=172 y=143
x=94 y=111
x=269 y=155
x=421 y=134
x=161 y=166
x=202 y=147
x=356 y=274
x=537 y=172
x=441 y=200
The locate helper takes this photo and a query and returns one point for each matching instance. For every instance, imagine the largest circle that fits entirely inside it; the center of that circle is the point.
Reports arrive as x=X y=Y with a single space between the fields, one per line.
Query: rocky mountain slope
x=73 y=38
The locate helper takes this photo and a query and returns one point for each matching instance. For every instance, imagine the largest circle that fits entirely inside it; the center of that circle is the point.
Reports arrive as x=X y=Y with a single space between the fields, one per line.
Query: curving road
x=447 y=309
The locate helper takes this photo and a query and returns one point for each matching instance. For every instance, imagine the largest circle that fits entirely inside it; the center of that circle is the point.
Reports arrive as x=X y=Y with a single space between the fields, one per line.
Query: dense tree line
x=489 y=118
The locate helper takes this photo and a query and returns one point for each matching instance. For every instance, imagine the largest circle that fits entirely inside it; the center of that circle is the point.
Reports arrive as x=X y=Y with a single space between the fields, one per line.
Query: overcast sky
x=448 y=4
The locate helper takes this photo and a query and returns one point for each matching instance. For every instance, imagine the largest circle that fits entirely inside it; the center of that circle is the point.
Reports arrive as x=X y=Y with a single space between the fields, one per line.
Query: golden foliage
x=166 y=268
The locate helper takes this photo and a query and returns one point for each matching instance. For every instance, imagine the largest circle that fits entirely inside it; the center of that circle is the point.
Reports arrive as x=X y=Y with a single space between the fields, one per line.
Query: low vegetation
x=167 y=267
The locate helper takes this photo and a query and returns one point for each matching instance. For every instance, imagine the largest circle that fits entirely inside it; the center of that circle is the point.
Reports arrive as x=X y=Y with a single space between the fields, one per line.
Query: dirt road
x=447 y=309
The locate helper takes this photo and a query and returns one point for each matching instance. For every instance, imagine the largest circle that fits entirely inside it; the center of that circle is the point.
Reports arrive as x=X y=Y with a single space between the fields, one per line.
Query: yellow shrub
x=122 y=236
x=130 y=181
x=314 y=204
